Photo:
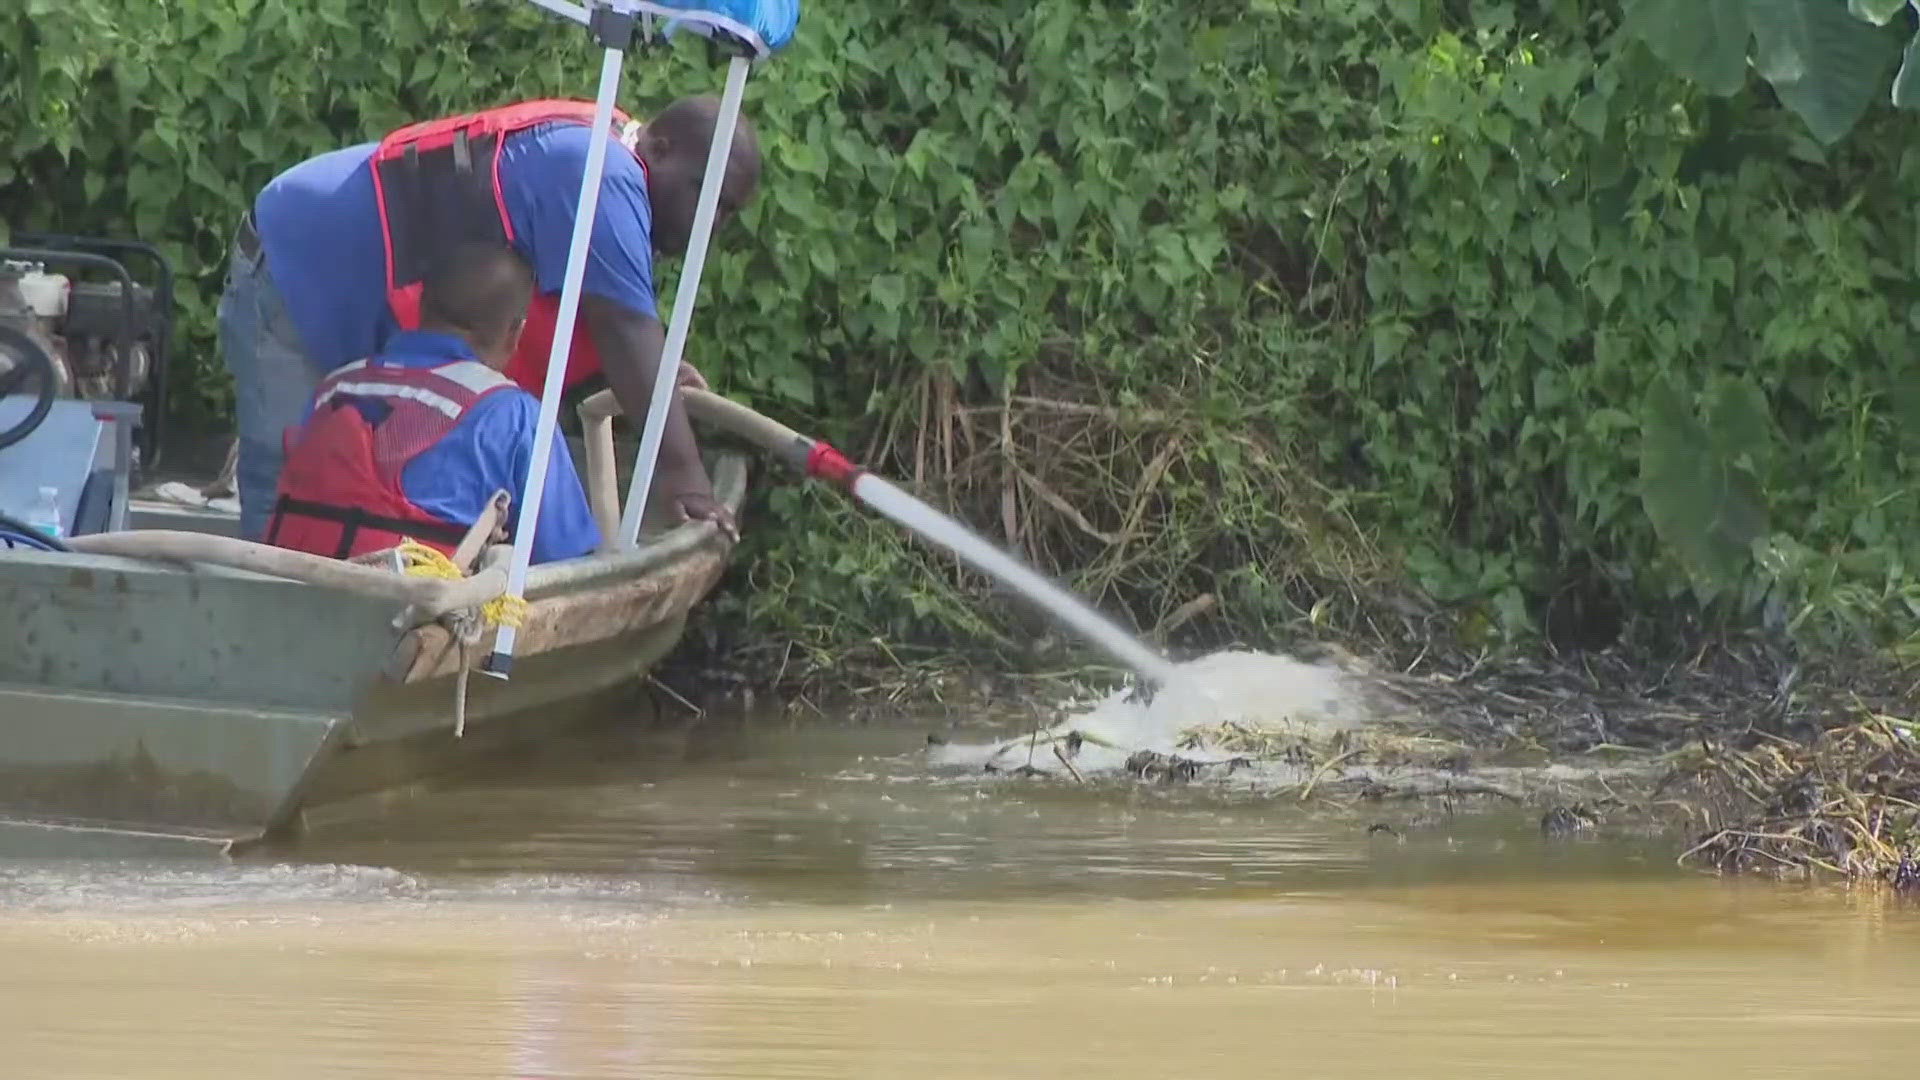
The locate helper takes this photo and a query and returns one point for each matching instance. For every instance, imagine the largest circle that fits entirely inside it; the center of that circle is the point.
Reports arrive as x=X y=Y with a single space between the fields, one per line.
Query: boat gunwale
x=547 y=581
x=569 y=577
x=428 y=652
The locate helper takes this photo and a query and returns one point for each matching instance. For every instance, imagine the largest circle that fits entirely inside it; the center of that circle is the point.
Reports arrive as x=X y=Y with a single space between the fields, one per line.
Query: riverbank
x=1754 y=759
x=1735 y=753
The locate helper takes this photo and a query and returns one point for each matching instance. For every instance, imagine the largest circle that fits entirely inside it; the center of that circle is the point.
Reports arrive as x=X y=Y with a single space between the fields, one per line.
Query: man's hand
x=694 y=507
x=688 y=375
x=629 y=347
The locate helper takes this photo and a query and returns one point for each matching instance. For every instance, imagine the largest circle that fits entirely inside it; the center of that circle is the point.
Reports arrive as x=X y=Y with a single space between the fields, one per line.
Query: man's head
x=479 y=292
x=674 y=145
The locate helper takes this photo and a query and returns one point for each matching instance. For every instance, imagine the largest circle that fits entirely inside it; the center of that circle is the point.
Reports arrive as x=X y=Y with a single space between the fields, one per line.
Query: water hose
x=810 y=456
x=819 y=460
x=30 y=365
x=814 y=457
x=426 y=598
x=14 y=530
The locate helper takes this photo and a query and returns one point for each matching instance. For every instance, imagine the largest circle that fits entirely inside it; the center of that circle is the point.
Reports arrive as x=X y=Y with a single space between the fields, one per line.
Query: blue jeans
x=273 y=382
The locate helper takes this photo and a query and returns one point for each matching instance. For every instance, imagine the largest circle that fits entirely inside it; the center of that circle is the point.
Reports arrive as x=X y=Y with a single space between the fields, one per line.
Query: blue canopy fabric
x=764 y=25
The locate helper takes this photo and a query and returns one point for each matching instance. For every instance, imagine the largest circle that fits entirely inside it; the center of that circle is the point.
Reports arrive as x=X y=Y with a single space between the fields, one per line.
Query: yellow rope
x=419 y=560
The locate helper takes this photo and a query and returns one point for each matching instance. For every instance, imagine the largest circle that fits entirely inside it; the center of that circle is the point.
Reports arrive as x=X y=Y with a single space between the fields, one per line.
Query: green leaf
x=1878 y=12
x=794 y=382
x=1207 y=246
x=1590 y=114
x=1576 y=228
x=803 y=158
x=1703 y=508
x=1549 y=388
x=1686 y=261
x=1906 y=85
x=1741 y=421
x=1906 y=410
x=1388 y=339
x=1826 y=65
x=1067 y=206
x=1603 y=281
x=1704 y=40
x=889 y=291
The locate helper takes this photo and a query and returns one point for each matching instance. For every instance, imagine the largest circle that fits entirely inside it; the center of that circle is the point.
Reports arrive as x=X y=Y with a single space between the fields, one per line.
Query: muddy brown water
x=779 y=901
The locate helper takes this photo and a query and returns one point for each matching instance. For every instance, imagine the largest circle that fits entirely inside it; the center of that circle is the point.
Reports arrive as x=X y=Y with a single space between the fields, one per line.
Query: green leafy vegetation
x=1245 y=317
x=1826 y=60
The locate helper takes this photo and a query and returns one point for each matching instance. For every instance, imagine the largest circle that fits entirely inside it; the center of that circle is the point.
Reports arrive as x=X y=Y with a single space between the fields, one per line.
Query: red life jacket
x=339 y=491
x=436 y=184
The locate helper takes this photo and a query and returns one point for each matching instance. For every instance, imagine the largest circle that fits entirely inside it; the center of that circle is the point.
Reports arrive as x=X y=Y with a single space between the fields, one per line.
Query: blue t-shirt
x=490 y=450
x=320 y=233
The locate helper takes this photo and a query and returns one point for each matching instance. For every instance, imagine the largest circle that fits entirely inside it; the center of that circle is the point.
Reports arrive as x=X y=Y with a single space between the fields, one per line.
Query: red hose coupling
x=826 y=463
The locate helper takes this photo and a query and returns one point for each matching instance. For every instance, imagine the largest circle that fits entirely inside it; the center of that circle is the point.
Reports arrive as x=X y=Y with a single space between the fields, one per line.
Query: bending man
x=414 y=442
x=329 y=264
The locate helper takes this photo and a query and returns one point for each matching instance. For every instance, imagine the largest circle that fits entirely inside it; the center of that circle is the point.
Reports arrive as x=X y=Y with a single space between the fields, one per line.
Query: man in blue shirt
x=307 y=289
x=415 y=441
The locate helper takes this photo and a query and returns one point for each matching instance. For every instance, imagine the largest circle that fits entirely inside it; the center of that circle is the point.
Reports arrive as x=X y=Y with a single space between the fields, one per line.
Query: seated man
x=415 y=441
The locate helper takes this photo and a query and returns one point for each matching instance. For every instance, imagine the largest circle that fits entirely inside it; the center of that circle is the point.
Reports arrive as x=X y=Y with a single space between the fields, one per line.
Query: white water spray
x=1264 y=693
x=937 y=527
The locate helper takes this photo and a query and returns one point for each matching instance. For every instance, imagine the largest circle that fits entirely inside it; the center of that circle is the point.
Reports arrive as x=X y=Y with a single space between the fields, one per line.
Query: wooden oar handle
x=726 y=414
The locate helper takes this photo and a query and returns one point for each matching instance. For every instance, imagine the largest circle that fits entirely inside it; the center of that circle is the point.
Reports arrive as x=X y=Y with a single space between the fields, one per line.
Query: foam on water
x=55 y=885
x=1265 y=692
x=78 y=885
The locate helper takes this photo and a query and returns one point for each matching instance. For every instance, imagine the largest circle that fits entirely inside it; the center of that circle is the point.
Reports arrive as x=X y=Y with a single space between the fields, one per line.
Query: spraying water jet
x=821 y=461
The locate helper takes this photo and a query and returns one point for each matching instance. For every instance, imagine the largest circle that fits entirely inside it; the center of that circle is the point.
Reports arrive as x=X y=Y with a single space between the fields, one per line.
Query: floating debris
x=1752 y=757
x=1273 y=724
x=1174 y=769
x=1847 y=803
x=1567 y=820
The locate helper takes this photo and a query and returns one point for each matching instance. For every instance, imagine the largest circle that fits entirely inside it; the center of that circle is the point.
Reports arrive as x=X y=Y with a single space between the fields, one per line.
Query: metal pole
x=683 y=300
x=501 y=659
x=561 y=7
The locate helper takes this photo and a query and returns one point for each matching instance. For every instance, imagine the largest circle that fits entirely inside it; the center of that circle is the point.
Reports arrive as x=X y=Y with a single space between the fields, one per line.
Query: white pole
x=502 y=657
x=562 y=7
x=684 y=296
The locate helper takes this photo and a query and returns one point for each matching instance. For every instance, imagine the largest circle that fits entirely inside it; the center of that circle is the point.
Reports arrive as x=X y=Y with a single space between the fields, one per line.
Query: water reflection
x=775 y=813
x=769 y=901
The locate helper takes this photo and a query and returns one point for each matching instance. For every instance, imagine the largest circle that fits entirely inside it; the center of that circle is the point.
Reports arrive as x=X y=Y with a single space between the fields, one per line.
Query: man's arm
x=630 y=345
x=539 y=177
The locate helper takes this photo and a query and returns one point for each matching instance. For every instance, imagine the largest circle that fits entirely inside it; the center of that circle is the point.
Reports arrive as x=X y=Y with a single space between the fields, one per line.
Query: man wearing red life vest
x=413 y=443
x=328 y=265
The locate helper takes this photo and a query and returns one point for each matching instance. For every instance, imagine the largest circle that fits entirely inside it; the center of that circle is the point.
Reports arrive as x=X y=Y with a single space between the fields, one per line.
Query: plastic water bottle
x=45 y=515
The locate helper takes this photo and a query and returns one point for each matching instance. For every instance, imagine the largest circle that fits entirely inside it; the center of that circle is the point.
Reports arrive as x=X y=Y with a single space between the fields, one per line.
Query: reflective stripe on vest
x=474 y=377
x=340 y=493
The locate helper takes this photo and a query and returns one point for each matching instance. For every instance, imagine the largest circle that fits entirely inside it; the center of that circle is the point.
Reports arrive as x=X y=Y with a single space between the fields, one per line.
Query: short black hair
x=481 y=289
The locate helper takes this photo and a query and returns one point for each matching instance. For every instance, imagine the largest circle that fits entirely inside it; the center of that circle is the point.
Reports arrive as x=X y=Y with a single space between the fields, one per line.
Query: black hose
x=14 y=525
x=31 y=364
